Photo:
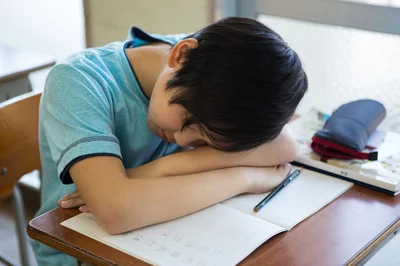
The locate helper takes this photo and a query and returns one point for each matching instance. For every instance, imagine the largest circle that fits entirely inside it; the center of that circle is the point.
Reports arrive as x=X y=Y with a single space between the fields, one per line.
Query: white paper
x=218 y=235
x=301 y=198
x=376 y=139
x=225 y=233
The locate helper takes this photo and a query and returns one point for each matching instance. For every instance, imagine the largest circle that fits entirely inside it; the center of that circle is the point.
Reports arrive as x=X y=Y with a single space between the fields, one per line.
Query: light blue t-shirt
x=93 y=105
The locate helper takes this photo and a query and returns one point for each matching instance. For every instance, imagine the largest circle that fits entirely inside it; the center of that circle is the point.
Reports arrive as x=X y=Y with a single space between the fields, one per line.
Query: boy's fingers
x=72 y=195
x=84 y=208
x=72 y=203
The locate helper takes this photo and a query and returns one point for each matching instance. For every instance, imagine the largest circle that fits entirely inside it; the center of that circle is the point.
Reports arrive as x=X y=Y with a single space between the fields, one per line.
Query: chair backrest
x=19 y=145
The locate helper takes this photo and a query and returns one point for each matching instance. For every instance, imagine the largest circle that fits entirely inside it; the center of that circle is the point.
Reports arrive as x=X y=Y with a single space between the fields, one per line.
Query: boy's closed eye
x=202 y=141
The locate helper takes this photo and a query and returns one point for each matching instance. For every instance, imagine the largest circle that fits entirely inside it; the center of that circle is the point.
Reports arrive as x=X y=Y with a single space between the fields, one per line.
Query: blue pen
x=285 y=182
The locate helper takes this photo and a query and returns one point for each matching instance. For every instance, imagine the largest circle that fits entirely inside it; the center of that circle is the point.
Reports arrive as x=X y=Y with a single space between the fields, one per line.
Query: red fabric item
x=334 y=150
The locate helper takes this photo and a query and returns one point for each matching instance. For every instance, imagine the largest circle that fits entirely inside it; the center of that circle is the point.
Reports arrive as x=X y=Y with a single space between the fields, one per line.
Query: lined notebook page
x=218 y=235
x=304 y=196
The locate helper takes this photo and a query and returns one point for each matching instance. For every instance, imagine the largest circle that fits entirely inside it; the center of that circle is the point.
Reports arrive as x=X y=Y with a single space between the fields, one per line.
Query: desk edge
x=373 y=246
x=25 y=72
x=34 y=234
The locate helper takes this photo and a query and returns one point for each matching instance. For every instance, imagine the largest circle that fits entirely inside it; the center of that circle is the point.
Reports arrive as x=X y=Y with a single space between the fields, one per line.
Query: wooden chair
x=19 y=155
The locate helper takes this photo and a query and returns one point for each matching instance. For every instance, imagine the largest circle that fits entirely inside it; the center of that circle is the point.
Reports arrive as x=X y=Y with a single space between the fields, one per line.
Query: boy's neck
x=148 y=61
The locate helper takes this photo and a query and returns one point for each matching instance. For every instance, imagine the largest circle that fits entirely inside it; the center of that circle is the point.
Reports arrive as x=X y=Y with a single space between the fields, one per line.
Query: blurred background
x=350 y=50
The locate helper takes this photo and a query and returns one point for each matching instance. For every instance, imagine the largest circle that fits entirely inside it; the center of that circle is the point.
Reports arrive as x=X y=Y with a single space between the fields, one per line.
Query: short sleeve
x=76 y=113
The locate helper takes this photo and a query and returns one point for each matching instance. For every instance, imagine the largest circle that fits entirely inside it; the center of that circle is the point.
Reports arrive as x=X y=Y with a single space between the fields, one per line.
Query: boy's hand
x=73 y=200
x=264 y=179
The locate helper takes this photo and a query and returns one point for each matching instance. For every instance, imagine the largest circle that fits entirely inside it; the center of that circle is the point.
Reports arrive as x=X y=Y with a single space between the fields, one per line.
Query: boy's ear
x=178 y=53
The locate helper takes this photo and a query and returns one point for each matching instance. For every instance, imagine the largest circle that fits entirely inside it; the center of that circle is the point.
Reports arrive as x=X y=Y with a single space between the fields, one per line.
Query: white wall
x=57 y=27
x=110 y=20
x=345 y=64
x=44 y=26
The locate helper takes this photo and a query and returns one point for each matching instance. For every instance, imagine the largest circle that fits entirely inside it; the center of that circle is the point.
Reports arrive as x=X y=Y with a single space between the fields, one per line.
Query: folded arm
x=121 y=204
x=282 y=150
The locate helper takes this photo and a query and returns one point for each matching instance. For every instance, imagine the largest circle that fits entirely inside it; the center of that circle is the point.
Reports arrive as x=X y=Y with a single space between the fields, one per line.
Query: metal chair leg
x=20 y=226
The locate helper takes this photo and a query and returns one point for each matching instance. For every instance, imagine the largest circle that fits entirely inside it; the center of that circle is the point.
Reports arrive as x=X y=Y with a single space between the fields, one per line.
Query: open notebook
x=223 y=234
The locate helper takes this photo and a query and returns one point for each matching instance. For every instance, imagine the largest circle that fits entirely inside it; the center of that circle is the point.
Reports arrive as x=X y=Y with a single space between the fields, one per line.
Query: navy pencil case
x=346 y=132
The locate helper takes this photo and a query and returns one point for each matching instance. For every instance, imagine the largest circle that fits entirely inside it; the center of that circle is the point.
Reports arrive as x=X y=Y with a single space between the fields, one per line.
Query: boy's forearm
x=282 y=150
x=148 y=201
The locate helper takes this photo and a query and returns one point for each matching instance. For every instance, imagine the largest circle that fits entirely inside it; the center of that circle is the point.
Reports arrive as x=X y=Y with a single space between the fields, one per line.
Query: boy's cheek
x=197 y=143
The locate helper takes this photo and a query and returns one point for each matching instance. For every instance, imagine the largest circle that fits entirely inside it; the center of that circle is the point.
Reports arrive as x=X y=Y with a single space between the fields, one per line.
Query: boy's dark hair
x=241 y=85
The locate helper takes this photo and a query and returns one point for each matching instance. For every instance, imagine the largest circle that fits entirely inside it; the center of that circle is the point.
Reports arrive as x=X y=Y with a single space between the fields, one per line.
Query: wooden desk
x=345 y=231
x=15 y=66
